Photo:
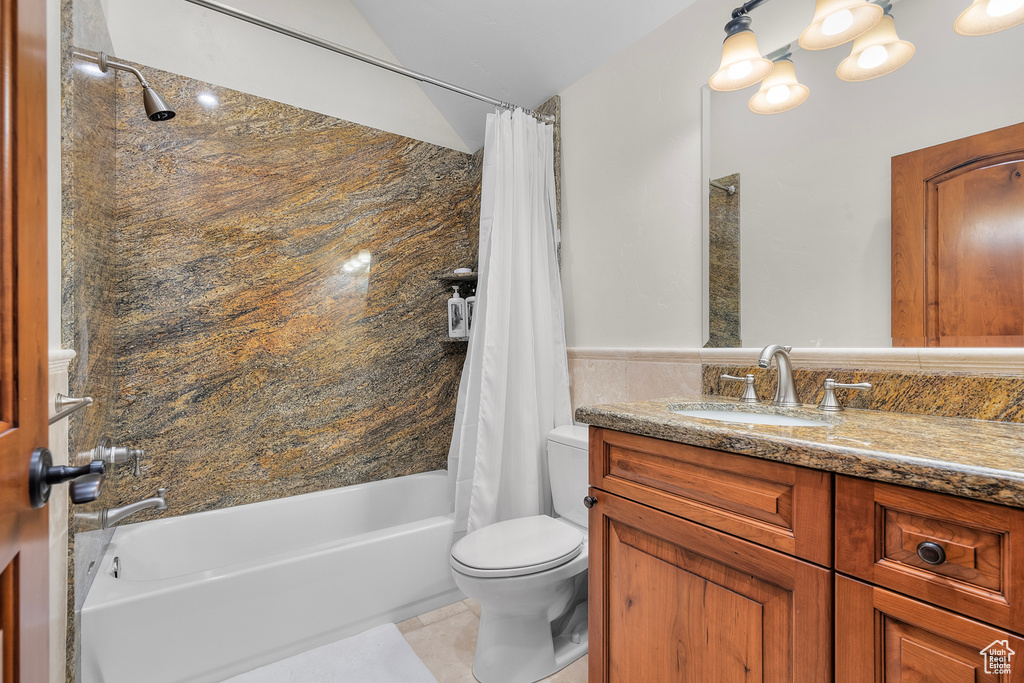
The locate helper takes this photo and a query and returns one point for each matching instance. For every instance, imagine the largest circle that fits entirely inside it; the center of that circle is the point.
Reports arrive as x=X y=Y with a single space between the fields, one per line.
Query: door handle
x=86 y=480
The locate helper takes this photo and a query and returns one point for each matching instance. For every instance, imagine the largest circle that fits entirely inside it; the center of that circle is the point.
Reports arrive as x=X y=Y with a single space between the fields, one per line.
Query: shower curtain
x=515 y=381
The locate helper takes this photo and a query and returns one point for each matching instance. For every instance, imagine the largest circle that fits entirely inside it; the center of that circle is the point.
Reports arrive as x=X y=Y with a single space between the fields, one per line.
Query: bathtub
x=206 y=596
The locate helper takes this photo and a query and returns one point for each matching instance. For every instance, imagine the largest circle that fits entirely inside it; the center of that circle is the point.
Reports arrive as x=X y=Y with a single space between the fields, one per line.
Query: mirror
x=814 y=204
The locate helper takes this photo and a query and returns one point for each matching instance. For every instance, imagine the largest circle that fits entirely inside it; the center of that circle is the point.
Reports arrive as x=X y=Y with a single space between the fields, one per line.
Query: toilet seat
x=517 y=547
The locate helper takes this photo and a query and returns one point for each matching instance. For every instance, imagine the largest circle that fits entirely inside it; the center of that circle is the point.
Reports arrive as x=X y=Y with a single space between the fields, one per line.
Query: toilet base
x=527 y=651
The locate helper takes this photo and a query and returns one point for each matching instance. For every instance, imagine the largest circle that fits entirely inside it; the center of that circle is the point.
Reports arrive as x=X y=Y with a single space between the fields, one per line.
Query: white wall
x=631 y=172
x=182 y=38
x=632 y=185
x=815 y=181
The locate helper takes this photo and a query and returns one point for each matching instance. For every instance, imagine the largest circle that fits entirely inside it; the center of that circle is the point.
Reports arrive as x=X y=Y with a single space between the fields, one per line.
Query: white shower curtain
x=515 y=382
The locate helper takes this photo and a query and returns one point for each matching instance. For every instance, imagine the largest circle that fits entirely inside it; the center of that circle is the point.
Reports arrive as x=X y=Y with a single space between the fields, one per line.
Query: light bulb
x=837 y=22
x=740 y=70
x=777 y=94
x=872 y=57
x=1000 y=8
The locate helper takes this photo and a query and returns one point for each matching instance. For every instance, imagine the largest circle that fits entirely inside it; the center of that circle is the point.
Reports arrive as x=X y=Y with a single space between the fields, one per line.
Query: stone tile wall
x=280 y=327
x=948 y=394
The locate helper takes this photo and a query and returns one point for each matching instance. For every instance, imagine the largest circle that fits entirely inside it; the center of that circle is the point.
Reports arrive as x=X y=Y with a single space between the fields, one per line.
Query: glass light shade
x=780 y=91
x=989 y=16
x=876 y=53
x=742 y=63
x=839 y=21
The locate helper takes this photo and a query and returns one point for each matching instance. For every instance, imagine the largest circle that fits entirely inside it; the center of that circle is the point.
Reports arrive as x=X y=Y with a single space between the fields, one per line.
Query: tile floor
x=446 y=638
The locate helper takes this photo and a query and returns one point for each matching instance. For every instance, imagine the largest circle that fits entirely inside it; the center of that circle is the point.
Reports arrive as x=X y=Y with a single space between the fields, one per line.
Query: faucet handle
x=749 y=394
x=829 y=402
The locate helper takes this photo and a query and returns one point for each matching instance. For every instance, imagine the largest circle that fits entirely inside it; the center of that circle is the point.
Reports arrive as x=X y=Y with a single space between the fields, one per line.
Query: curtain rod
x=363 y=57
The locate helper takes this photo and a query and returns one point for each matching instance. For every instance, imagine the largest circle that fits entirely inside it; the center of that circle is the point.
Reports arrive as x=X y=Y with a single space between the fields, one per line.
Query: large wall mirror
x=814 y=182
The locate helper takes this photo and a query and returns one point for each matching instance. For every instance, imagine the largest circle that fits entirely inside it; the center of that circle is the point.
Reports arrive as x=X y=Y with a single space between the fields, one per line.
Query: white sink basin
x=744 y=417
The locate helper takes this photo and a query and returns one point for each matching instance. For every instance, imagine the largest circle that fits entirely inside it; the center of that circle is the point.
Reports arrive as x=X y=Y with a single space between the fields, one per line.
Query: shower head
x=156 y=107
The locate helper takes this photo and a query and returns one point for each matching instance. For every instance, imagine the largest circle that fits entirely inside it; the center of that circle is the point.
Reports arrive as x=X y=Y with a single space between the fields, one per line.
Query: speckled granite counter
x=972 y=458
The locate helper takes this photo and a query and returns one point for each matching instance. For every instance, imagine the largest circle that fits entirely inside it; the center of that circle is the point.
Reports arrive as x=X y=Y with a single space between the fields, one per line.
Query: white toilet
x=530 y=576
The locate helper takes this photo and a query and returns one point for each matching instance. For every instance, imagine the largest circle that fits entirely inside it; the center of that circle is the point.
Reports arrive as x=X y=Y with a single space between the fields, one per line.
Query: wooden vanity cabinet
x=674 y=599
x=712 y=566
x=885 y=636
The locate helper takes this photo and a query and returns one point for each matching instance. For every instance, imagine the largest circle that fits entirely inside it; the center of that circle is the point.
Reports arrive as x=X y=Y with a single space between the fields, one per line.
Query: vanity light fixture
x=780 y=90
x=877 y=52
x=742 y=63
x=839 y=21
x=989 y=16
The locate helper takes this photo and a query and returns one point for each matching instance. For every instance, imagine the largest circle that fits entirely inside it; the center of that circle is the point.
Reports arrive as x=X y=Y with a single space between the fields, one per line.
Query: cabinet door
x=884 y=636
x=671 y=600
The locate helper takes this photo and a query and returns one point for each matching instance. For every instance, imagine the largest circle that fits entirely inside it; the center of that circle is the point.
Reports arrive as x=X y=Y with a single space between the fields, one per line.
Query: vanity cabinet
x=885 y=636
x=711 y=566
x=687 y=580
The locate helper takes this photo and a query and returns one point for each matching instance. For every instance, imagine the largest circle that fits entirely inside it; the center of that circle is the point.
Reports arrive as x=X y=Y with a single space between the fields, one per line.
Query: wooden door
x=671 y=600
x=884 y=636
x=24 y=616
x=958 y=242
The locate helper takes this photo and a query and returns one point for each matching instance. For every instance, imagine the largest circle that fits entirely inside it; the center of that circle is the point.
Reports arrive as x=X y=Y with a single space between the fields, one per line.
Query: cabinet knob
x=930 y=552
x=589 y=501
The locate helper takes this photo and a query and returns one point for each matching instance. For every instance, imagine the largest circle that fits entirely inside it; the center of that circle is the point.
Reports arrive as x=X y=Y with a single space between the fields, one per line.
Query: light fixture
x=877 y=52
x=780 y=90
x=989 y=16
x=742 y=63
x=839 y=21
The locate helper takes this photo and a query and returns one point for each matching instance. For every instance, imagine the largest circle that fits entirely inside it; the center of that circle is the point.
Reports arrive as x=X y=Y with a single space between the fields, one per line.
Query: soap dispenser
x=457 y=328
x=470 y=311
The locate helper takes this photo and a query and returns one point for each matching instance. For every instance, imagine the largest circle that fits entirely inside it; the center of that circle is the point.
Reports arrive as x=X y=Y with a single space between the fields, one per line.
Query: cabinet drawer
x=781 y=506
x=884 y=636
x=975 y=548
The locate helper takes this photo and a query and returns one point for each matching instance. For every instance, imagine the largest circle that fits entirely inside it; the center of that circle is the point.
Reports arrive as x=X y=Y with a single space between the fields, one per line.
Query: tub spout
x=108 y=517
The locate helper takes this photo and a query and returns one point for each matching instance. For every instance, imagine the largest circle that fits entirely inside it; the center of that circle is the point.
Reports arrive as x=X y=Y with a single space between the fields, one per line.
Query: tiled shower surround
x=280 y=327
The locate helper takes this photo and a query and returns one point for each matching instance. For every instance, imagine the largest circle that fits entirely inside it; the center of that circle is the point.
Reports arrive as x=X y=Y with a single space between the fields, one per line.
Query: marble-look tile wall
x=280 y=327
x=724 y=264
x=88 y=105
x=981 y=397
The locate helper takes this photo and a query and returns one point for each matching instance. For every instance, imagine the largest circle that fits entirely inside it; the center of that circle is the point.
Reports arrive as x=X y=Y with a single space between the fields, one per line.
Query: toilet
x=530 y=576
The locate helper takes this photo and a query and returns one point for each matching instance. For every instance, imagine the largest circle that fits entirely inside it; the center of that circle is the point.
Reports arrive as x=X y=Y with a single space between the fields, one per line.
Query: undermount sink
x=741 y=416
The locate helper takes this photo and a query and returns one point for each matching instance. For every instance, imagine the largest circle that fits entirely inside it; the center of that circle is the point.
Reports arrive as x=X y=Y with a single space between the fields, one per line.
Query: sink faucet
x=785 y=391
x=108 y=517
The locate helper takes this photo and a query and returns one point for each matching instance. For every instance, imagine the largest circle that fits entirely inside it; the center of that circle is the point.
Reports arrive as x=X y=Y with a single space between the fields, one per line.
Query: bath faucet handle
x=749 y=393
x=829 y=402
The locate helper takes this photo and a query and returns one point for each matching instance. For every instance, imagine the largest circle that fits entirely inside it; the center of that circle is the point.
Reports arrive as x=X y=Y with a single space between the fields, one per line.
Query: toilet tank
x=567 y=467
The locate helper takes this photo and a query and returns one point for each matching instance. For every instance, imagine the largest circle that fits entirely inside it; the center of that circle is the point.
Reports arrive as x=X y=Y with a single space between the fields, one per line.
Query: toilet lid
x=518 y=546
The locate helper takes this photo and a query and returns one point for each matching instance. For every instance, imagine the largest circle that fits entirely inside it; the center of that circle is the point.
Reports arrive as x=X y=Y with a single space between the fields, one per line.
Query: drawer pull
x=589 y=501
x=930 y=552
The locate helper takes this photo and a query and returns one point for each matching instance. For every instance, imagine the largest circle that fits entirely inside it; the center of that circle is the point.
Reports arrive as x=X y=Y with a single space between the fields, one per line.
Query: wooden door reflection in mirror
x=958 y=242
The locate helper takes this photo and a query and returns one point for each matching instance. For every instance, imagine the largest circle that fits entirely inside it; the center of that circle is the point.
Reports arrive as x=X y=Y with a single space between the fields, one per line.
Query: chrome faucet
x=108 y=517
x=785 y=391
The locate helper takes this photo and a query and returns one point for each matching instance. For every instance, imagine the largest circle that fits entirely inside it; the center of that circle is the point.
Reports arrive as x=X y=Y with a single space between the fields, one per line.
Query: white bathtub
x=206 y=596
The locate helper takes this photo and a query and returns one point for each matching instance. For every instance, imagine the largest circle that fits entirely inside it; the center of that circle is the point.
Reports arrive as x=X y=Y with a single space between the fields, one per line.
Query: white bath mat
x=379 y=655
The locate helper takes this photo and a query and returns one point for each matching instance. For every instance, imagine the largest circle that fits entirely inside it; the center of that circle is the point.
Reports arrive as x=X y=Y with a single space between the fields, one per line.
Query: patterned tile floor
x=446 y=638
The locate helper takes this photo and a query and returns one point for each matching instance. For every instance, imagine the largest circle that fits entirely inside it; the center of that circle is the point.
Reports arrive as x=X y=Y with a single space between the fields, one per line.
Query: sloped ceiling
x=518 y=51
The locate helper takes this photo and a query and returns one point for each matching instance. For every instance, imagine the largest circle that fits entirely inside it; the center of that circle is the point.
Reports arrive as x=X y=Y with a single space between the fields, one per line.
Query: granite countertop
x=977 y=459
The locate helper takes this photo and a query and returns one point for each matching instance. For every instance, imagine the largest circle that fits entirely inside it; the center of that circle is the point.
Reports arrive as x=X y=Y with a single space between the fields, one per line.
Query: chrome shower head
x=156 y=107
